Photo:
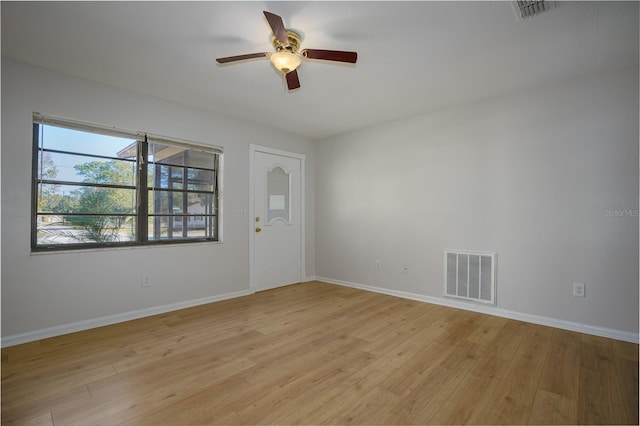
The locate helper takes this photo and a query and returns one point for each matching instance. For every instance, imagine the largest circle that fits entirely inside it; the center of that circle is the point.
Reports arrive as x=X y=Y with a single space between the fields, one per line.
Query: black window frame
x=142 y=214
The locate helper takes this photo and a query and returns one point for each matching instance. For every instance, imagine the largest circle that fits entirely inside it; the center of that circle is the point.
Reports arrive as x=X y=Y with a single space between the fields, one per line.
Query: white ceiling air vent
x=528 y=8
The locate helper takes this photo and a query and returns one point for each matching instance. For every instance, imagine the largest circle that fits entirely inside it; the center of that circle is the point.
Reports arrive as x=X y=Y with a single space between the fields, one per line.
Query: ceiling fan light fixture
x=285 y=61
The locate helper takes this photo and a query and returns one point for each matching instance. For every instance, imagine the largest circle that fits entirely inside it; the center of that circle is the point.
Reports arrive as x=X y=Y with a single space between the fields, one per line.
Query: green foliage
x=113 y=172
x=57 y=203
x=103 y=201
x=48 y=194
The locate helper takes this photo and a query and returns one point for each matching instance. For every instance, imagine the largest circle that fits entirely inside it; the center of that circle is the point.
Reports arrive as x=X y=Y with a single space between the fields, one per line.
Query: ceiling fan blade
x=241 y=57
x=277 y=26
x=331 y=55
x=292 y=80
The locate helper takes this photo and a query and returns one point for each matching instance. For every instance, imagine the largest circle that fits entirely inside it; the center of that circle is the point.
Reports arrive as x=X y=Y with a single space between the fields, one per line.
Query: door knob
x=258 y=229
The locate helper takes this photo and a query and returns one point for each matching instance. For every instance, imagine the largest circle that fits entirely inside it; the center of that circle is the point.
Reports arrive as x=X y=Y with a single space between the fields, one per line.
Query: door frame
x=266 y=150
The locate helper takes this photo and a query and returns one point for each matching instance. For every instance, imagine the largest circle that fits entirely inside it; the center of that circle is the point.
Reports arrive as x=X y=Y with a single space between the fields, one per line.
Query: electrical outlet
x=405 y=268
x=146 y=281
x=378 y=265
x=578 y=289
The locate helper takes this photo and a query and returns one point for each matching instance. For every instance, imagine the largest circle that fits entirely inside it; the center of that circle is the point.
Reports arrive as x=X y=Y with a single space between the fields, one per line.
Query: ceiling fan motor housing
x=292 y=46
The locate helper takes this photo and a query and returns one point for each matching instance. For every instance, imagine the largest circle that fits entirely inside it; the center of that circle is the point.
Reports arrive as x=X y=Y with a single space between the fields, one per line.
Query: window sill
x=120 y=248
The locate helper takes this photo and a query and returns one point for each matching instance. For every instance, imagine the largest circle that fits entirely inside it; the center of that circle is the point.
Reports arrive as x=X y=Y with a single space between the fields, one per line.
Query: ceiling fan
x=286 y=57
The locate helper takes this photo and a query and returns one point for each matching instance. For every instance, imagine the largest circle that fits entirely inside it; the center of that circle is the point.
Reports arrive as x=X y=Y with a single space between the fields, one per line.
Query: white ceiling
x=414 y=57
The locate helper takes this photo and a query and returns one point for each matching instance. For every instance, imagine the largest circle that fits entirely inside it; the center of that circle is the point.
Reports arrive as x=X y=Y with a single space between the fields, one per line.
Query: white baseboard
x=45 y=333
x=491 y=310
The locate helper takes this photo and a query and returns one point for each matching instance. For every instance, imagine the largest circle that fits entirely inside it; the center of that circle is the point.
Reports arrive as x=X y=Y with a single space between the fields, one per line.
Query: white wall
x=54 y=290
x=530 y=176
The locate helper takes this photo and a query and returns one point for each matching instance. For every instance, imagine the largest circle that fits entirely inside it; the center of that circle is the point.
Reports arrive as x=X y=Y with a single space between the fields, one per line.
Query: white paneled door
x=276 y=222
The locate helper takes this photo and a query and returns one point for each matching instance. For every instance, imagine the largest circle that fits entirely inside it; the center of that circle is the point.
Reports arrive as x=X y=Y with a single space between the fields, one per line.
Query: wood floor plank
x=560 y=374
x=51 y=383
x=507 y=341
x=459 y=326
x=553 y=409
x=23 y=410
x=512 y=399
x=330 y=401
x=404 y=380
x=204 y=407
x=467 y=403
x=625 y=350
x=166 y=350
x=486 y=329
x=20 y=351
x=359 y=401
x=599 y=394
x=115 y=405
x=628 y=377
x=490 y=365
x=316 y=353
x=438 y=385
x=626 y=356
x=41 y=420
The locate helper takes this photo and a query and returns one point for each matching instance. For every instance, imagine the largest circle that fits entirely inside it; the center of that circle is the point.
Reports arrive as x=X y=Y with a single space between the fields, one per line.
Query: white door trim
x=252 y=150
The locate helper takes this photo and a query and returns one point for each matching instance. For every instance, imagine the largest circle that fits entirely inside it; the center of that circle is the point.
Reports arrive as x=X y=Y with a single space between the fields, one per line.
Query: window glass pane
x=83 y=168
x=159 y=228
x=174 y=172
x=80 y=142
x=199 y=232
x=174 y=202
x=165 y=202
x=200 y=180
x=75 y=229
x=76 y=214
x=57 y=198
x=85 y=199
x=162 y=176
x=105 y=200
x=200 y=204
x=277 y=195
x=180 y=156
x=173 y=177
x=165 y=177
x=171 y=227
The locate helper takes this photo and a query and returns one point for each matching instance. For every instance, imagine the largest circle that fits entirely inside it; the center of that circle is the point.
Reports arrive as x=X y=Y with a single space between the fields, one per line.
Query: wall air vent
x=528 y=8
x=470 y=275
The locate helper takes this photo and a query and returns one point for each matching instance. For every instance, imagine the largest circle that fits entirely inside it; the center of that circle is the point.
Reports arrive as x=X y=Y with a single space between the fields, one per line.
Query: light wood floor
x=317 y=353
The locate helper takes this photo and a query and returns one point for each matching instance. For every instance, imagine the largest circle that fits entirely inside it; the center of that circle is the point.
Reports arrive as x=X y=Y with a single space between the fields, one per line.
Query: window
x=100 y=187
